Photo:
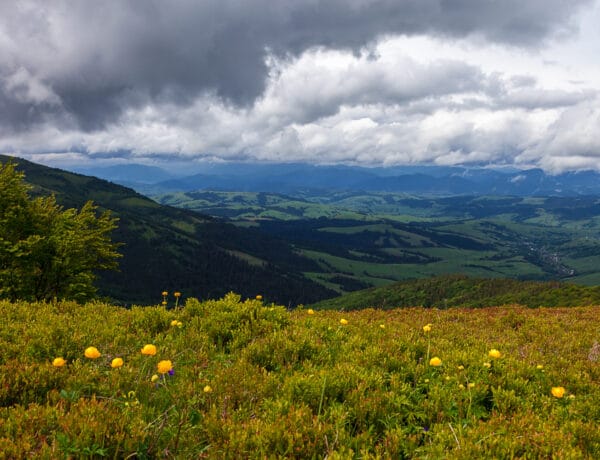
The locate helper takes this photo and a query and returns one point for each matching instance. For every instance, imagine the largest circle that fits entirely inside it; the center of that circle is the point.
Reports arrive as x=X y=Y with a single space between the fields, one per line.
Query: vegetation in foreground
x=243 y=379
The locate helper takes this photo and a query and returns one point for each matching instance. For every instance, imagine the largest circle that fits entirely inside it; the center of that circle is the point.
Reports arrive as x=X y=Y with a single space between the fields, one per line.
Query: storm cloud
x=285 y=80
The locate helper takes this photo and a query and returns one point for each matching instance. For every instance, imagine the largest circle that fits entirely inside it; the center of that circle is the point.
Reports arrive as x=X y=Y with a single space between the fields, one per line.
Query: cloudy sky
x=370 y=82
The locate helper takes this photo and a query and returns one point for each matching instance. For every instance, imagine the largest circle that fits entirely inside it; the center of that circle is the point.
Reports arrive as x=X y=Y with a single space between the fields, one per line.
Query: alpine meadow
x=303 y=229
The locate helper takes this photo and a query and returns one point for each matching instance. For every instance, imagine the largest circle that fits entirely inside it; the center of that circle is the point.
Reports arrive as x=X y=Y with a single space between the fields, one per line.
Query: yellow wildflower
x=177 y=294
x=558 y=392
x=149 y=350
x=435 y=361
x=208 y=389
x=461 y=367
x=164 y=303
x=59 y=362
x=488 y=365
x=493 y=353
x=461 y=386
x=154 y=378
x=259 y=297
x=427 y=328
x=471 y=385
x=117 y=362
x=174 y=323
x=343 y=321
x=382 y=326
x=310 y=311
x=164 y=366
x=539 y=367
x=165 y=293
x=92 y=353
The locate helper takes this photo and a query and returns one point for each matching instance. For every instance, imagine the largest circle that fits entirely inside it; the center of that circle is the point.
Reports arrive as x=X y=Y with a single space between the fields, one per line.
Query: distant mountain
x=128 y=174
x=173 y=249
x=297 y=178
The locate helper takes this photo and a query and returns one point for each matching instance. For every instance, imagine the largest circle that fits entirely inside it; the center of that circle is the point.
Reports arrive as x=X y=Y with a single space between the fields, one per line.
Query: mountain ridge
x=174 y=249
x=293 y=177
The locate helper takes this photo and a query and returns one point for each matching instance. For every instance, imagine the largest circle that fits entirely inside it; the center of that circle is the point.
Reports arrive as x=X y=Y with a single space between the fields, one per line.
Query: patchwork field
x=360 y=239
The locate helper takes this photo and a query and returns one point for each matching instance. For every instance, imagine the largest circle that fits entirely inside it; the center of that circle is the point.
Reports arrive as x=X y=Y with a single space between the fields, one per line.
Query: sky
x=361 y=82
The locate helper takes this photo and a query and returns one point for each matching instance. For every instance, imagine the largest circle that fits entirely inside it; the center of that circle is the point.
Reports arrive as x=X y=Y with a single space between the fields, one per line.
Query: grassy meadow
x=234 y=378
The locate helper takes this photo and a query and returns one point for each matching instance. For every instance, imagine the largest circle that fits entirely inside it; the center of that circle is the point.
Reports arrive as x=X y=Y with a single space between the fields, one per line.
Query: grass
x=252 y=380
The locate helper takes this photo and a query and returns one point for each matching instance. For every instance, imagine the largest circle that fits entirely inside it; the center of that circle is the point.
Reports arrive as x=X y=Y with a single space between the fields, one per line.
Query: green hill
x=171 y=249
x=461 y=291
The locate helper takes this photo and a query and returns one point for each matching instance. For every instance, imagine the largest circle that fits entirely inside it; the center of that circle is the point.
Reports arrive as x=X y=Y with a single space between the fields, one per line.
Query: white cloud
x=444 y=98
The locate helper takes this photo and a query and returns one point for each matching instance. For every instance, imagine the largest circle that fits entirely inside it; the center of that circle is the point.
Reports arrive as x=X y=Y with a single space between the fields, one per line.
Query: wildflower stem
x=322 y=397
x=454 y=434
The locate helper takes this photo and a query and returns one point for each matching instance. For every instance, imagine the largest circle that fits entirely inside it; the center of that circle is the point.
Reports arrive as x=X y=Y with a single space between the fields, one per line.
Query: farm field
x=234 y=378
x=360 y=239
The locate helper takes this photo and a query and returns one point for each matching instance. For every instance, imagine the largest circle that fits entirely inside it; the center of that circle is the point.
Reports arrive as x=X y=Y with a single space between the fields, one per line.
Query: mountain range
x=322 y=240
x=295 y=177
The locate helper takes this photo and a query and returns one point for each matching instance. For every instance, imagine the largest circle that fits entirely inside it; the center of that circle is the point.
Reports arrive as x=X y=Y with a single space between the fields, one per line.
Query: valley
x=361 y=239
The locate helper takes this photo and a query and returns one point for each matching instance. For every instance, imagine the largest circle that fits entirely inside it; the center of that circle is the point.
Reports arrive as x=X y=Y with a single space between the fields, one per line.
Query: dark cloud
x=98 y=59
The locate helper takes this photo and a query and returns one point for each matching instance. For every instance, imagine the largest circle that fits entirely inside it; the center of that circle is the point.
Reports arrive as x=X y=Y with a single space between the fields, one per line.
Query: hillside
x=171 y=249
x=461 y=291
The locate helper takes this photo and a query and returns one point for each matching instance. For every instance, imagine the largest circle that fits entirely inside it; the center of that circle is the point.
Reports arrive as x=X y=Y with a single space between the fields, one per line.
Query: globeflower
x=435 y=361
x=493 y=353
x=176 y=323
x=91 y=353
x=343 y=321
x=208 y=389
x=59 y=362
x=310 y=311
x=382 y=326
x=116 y=363
x=558 y=392
x=427 y=328
x=154 y=378
x=149 y=350
x=164 y=366
x=259 y=297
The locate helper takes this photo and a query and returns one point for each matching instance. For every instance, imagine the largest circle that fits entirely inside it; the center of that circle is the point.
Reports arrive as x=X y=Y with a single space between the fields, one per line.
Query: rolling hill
x=461 y=291
x=166 y=248
x=373 y=238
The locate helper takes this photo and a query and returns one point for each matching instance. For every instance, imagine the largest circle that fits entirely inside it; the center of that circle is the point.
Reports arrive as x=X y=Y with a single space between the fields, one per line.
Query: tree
x=46 y=251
